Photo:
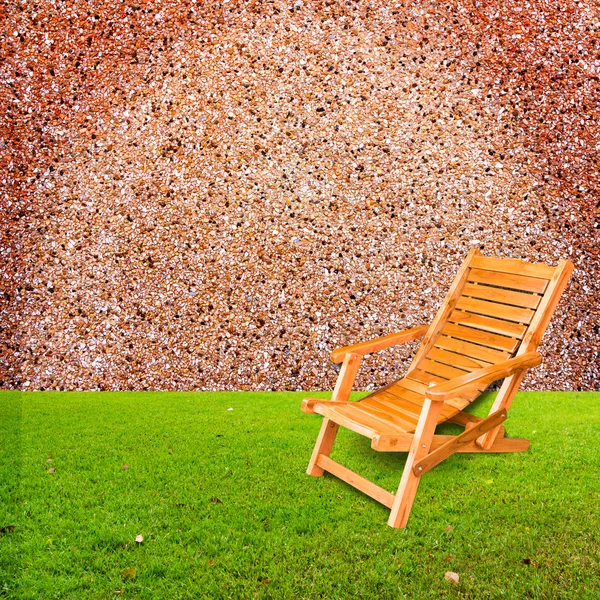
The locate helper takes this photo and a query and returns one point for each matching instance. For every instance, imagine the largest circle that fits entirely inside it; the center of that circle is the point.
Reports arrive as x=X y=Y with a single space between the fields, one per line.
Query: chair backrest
x=495 y=309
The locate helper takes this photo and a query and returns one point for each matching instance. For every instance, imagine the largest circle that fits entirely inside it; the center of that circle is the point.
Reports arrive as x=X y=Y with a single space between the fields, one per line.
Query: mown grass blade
x=226 y=510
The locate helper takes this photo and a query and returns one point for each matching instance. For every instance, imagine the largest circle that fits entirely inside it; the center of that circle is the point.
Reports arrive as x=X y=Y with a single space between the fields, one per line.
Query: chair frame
x=425 y=448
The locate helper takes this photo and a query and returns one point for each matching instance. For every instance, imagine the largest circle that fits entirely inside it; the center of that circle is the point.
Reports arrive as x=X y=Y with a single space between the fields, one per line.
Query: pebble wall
x=215 y=195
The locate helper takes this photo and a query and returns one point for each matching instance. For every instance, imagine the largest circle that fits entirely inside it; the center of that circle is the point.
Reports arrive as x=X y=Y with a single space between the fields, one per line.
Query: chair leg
x=504 y=399
x=323 y=446
x=419 y=448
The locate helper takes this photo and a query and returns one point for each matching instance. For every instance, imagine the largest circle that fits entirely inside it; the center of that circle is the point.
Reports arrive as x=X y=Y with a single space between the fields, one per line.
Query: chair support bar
x=437 y=456
x=360 y=483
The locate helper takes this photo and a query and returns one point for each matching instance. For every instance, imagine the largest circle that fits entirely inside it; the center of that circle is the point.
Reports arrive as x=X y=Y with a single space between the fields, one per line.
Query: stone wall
x=213 y=196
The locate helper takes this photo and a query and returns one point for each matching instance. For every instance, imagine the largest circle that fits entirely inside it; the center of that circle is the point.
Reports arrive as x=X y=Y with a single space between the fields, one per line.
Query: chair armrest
x=308 y=404
x=482 y=377
x=379 y=343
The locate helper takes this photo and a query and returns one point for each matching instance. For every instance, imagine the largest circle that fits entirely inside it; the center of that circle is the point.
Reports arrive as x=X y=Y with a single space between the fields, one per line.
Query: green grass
x=226 y=510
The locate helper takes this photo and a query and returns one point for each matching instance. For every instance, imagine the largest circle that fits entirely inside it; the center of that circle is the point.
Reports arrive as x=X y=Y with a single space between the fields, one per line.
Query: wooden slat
x=514 y=282
x=340 y=419
x=386 y=414
x=377 y=392
x=414 y=405
x=415 y=400
x=354 y=412
x=515 y=330
x=448 y=409
x=493 y=294
x=491 y=309
x=417 y=387
x=414 y=386
x=410 y=419
x=512 y=266
x=424 y=377
x=409 y=413
x=491 y=340
x=418 y=375
x=440 y=370
x=471 y=350
x=405 y=393
x=457 y=360
x=443 y=364
x=459 y=402
x=392 y=396
x=355 y=480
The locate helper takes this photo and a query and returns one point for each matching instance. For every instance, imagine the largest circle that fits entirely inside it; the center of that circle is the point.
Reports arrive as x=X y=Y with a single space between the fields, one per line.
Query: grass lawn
x=226 y=510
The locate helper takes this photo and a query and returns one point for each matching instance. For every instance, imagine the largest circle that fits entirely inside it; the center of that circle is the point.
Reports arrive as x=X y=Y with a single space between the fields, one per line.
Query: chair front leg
x=419 y=448
x=323 y=446
x=329 y=429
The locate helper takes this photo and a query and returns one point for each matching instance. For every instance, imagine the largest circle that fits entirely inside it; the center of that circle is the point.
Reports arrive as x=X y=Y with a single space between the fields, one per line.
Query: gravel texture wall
x=215 y=195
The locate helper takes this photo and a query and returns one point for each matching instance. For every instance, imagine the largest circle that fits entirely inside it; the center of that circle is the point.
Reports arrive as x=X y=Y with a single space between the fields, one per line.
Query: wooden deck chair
x=488 y=328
